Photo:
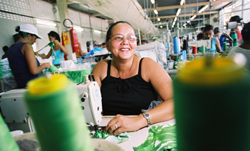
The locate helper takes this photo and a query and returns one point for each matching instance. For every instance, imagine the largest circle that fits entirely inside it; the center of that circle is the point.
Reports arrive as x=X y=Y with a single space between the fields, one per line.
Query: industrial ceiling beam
x=98 y=14
x=183 y=15
x=188 y=5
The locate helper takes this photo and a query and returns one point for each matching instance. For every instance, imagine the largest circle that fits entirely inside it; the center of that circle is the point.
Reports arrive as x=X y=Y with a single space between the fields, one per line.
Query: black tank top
x=126 y=96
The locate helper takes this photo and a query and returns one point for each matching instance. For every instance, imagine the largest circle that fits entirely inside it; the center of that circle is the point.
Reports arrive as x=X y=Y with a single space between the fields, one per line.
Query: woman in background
x=244 y=48
x=57 y=52
x=208 y=34
x=21 y=56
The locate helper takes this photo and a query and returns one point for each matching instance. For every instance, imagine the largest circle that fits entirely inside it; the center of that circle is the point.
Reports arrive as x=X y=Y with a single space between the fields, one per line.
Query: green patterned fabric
x=160 y=138
x=115 y=139
x=53 y=68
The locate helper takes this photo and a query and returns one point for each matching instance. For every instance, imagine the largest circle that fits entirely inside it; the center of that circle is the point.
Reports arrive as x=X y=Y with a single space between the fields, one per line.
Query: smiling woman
x=129 y=83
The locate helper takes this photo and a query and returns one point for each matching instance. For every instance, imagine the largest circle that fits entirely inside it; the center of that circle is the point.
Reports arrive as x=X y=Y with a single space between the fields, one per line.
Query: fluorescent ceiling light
x=45 y=22
x=175 y=19
x=182 y=2
x=203 y=8
x=158 y=19
x=173 y=24
x=97 y=31
x=156 y=12
x=178 y=12
x=152 y=1
x=160 y=26
x=78 y=28
x=192 y=17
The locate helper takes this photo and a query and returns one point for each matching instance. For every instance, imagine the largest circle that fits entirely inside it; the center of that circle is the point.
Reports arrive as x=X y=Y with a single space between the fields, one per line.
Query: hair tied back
x=17 y=28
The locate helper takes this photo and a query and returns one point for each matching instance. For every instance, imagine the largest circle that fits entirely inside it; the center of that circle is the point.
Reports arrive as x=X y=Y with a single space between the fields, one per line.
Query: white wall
x=17 y=12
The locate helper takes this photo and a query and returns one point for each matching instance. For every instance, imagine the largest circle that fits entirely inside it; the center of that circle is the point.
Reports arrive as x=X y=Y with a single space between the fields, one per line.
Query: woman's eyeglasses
x=120 y=38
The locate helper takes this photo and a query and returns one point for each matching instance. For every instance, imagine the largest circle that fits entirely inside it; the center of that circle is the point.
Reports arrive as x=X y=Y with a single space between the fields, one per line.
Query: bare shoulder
x=101 y=64
x=26 y=48
x=150 y=64
x=151 y=69
x=100 y=70
x=56 y=42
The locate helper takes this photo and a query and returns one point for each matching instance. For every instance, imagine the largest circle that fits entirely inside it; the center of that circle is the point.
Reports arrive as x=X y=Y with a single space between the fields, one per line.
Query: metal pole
x=139 y=33
x=178 y=28
x=242 y=12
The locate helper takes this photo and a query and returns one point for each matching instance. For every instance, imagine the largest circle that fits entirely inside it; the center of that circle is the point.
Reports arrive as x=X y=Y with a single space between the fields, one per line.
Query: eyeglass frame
x=111 y=37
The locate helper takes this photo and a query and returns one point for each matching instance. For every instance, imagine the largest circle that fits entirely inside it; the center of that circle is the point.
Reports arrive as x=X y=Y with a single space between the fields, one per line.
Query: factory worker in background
x=236 y=30
x=23 y=63
x=221 y=36
x=244 y=48
x=130 y=83
x=208 y=34
x=57 y=52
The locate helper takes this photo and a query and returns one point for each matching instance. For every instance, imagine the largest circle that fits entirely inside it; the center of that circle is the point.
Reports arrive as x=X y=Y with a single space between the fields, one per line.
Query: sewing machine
x=199 y=43
x=17 y=117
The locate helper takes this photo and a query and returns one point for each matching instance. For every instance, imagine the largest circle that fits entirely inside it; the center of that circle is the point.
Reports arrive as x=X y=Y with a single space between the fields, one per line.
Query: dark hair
x=235 y=18
x=208 y=27
x=200 y=36
x=246 y=32
x=216 y=30
x=144 y=41
x=5 y=48
x=23 y=34
x=54 y=34
x=185 y=45
x=103 y=43
x=112 y=26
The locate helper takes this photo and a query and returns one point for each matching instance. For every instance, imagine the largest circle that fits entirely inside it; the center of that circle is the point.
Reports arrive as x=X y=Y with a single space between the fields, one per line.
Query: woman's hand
x=121 y=123
x=46 y=65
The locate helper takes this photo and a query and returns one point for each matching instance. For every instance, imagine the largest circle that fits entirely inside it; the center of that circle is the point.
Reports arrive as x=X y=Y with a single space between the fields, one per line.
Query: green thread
x=59 y=120
x=7 y=143
x=160 y=138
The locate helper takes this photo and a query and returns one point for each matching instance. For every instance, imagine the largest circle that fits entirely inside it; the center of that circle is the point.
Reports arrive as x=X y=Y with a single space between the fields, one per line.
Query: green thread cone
x=7 y=143
x=203 y=49
x=59 y=121
x=235 y=38
x=224 y=46
x=212 y=116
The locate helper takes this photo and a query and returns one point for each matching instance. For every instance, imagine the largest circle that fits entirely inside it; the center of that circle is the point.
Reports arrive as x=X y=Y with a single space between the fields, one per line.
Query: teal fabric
x=59 y=56
x=213 y=45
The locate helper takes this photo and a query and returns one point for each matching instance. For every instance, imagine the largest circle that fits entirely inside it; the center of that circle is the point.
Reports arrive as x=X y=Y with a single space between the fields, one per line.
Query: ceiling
x=167 y=10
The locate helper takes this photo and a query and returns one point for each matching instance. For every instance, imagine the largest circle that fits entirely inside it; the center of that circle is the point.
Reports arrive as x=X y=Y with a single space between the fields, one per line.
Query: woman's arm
x=44 y=56
x=80 y=49
x=151 y=72
x=62 y=48
x=218 y=48
x=31 y=60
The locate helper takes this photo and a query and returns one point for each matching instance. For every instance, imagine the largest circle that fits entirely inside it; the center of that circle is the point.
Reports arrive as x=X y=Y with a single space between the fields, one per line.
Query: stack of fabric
x=5 y=70
x=6 y=77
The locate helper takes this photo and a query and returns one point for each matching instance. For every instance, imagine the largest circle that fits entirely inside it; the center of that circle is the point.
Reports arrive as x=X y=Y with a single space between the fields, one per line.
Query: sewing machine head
x=91 y=101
